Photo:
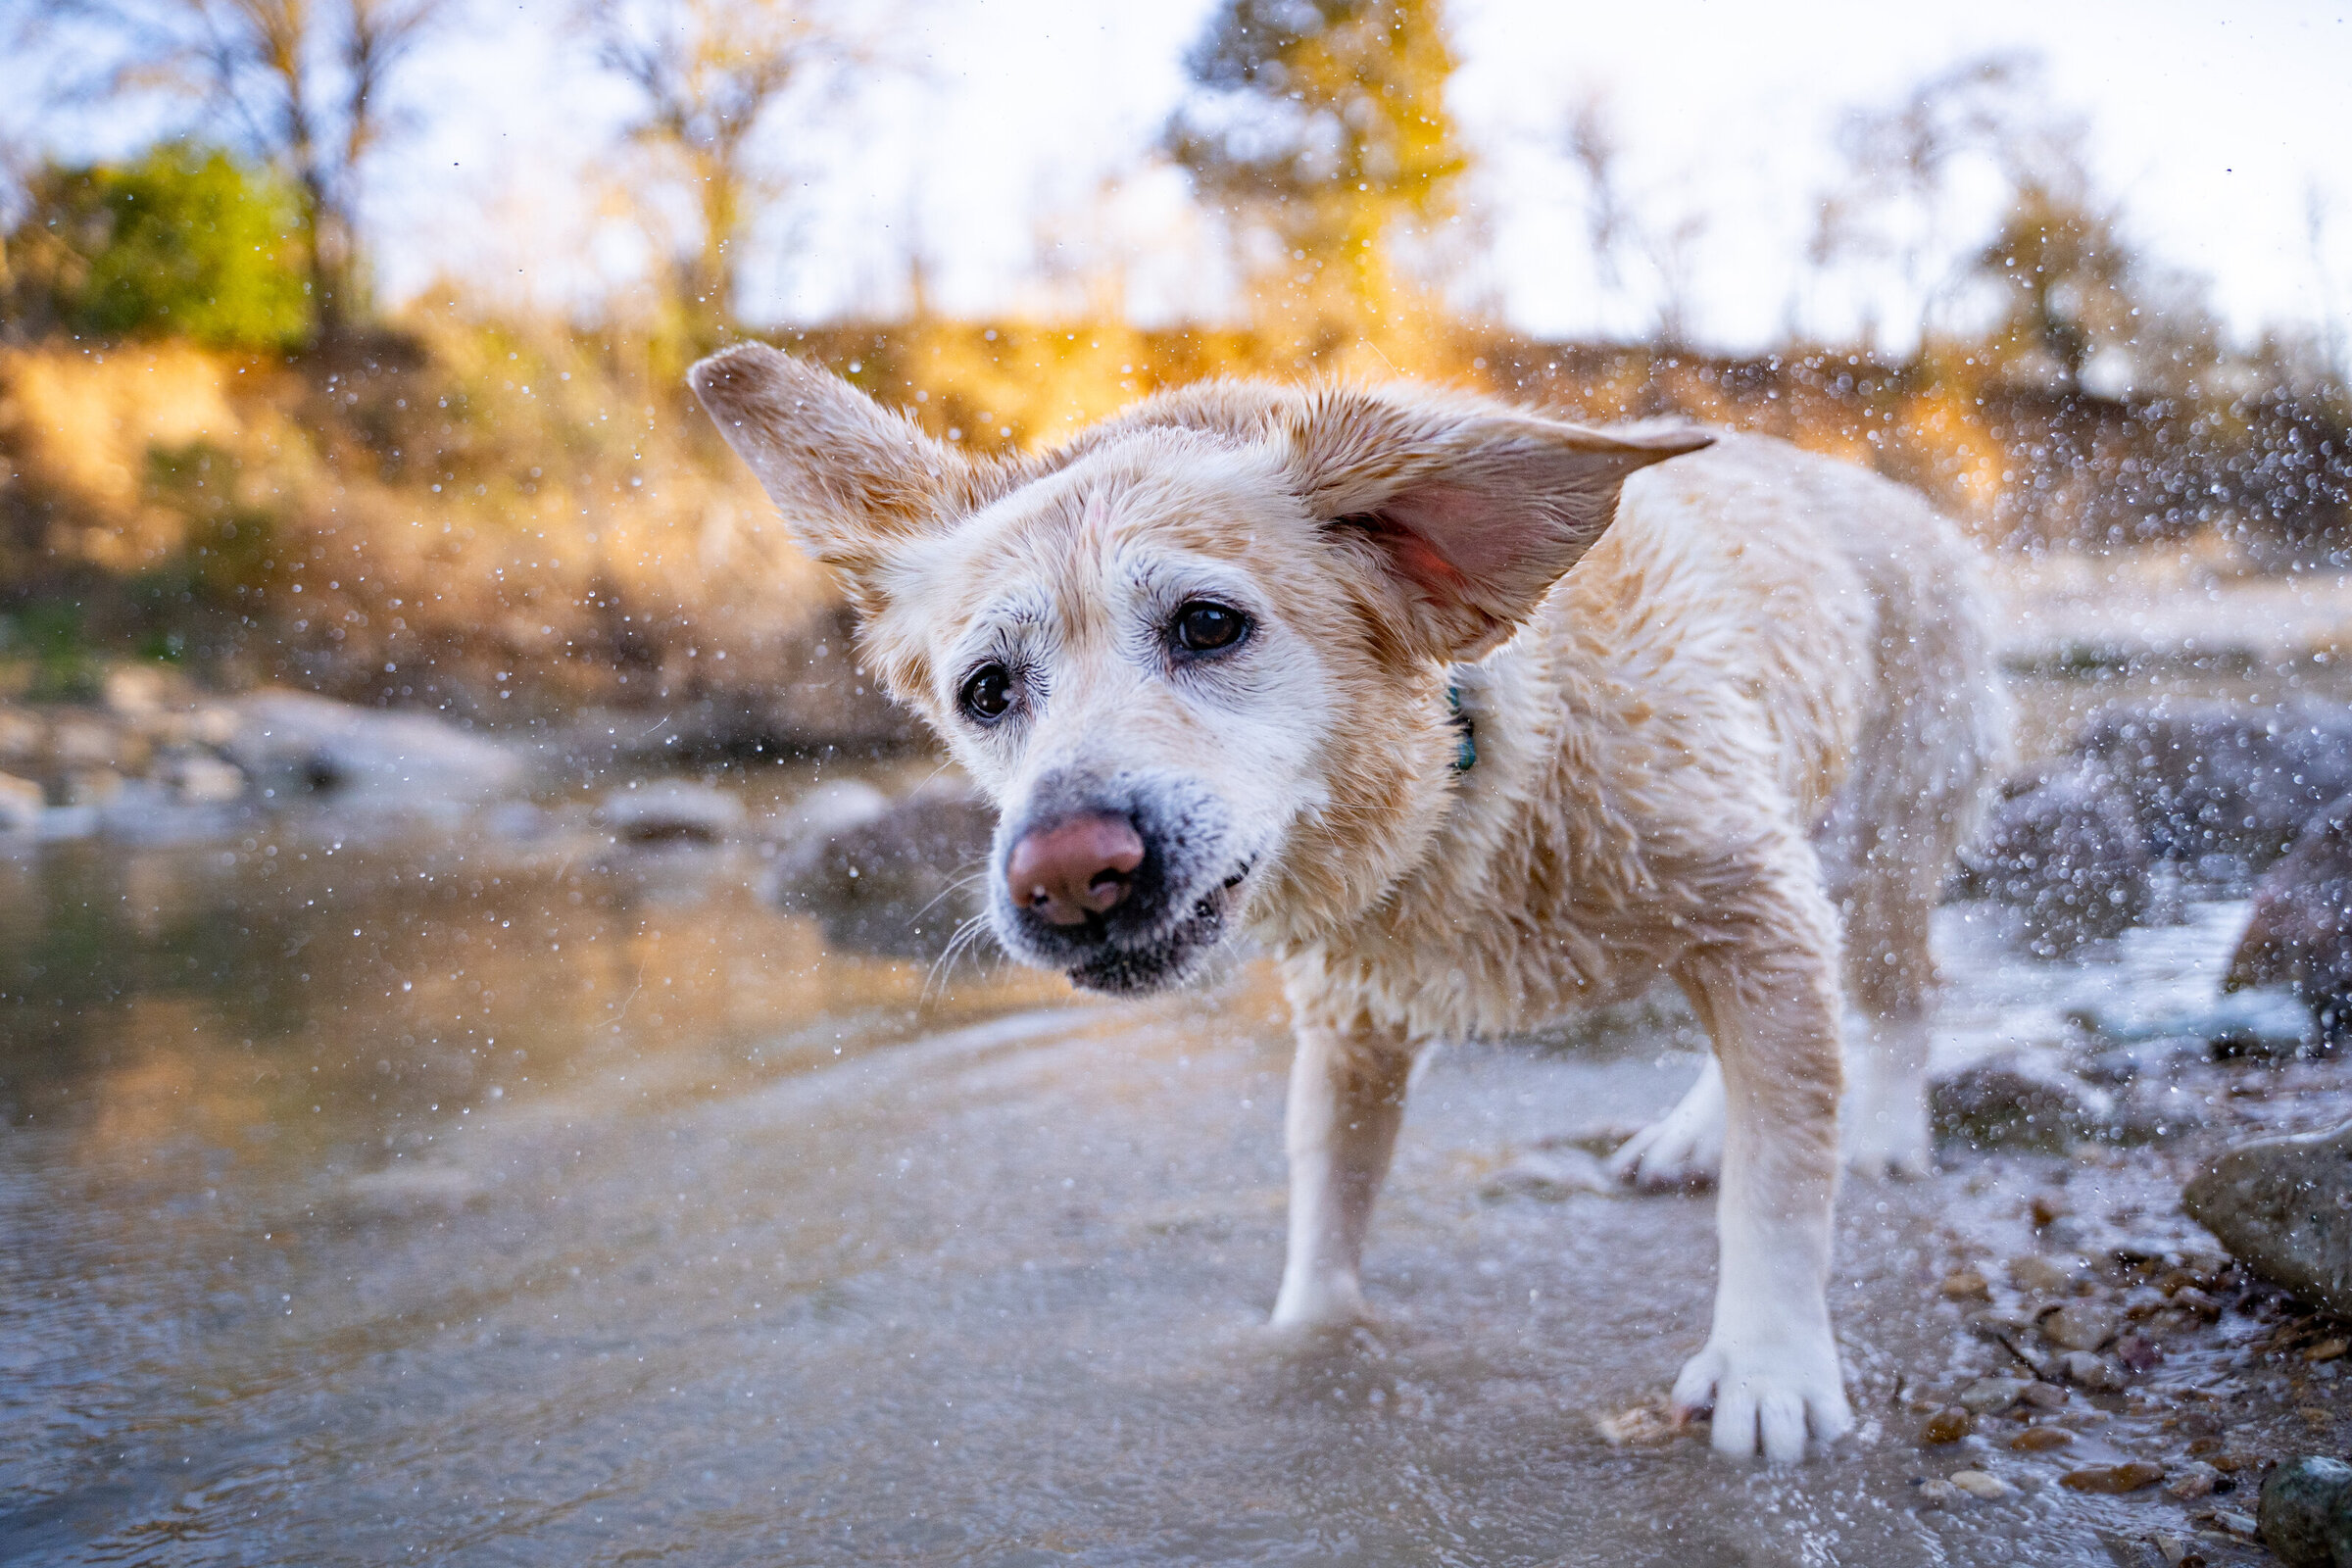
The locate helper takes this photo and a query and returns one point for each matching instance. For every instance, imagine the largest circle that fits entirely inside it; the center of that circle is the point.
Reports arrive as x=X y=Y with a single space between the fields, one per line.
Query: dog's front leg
x=1347 y=1100
x=1770 y=1365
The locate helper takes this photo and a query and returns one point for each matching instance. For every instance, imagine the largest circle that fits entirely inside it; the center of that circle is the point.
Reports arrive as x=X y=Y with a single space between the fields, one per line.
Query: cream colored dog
x=1312 y=665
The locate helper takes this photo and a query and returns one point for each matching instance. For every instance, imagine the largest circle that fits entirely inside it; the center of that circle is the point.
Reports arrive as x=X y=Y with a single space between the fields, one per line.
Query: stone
x=2195 y=1480
x=199 y=778
x=2045 y=1276
x=296 y=746
x=1947 y=1425
x=2043 y=1396
x=2138 y=1353
x=2283 y=1208
x=2133 y=1475
x=1938 y=1494
x=901 y=882
x=2067 y=851
x=671 y=811
x=2079 y=1326
x=2007 y=1103
x=2300 y=933
x=1980 y=1484
x=2042 y=1439
x=1991 y=1395
x=1965 y=1285
x=2305 y=1515
x=2222 y=779
x=2092 y=1373
x=22 y=802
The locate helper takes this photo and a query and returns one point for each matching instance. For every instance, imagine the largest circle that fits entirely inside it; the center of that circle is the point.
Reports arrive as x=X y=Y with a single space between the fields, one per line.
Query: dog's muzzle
x=1122 y=884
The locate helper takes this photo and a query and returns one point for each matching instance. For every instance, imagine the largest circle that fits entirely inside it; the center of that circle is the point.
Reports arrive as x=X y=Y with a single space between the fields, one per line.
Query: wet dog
x=1471 y=717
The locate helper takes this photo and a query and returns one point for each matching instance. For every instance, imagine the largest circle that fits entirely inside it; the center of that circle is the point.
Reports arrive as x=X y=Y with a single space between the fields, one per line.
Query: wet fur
x=1733 y=747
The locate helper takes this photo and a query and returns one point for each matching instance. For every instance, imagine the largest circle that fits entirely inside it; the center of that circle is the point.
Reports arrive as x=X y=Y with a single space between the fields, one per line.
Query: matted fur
x=1755 y=718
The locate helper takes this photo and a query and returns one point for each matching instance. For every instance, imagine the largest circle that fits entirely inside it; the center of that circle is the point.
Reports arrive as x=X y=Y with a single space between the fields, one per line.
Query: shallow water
x=410 y=1190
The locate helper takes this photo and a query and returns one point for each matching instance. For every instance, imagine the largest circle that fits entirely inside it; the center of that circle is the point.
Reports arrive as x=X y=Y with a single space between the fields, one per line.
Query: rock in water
x=900 y=882
x=2301 y=931
x=294 y=745
x=2283 y=1207
x=2211 y=778
x=669 y=812
x=2068 y=852
x=2009 y=1103
x=2307 y=1513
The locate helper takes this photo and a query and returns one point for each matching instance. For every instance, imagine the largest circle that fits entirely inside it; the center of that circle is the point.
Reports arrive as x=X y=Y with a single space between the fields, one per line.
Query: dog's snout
x=1079 y=866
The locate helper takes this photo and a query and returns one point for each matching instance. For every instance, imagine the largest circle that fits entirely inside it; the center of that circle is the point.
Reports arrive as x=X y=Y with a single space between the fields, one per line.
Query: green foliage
x=182 y=243
x=230 y=547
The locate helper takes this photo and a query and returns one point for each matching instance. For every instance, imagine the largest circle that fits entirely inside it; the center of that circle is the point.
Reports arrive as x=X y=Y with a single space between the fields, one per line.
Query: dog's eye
x=988 y=695
x=1203 y=626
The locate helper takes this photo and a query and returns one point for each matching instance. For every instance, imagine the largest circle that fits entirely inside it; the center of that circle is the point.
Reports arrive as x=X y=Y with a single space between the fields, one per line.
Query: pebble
x=2094 y=1373
x=2138 y=1353
x=2048 y=1206
x=2193 y=1482
x=2043 y=1396
x=1966 y=1285
x=1991 y=1395
x=2327 y=1350
x=1937 y=1493
x=2045 y=1276
x=1978 y=1484
x=2131 y=1476
x=1947 y=1425
x=2042 y=1439
x=2079 y=1326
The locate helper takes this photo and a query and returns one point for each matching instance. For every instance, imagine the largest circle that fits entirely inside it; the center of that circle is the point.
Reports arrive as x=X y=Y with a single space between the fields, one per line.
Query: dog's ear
x=1474 y=513
x=852 y=479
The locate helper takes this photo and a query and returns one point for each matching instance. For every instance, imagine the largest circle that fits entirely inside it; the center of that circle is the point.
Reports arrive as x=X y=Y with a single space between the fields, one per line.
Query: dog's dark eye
x=987 y=695
x=1203 y=626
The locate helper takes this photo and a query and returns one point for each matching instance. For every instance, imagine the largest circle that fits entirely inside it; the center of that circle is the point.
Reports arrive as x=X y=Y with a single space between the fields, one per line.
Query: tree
x=2064 y=279
x=1320 y=130
x=708 y=76
x=1620 y=234
x=182 y=242
x=301 y=86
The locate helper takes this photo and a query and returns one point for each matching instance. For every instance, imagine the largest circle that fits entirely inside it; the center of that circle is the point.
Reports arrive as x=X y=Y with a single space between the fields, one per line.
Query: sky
x=1017 y=148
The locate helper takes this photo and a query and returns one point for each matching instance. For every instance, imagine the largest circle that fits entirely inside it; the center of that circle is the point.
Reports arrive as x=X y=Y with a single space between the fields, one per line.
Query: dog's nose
x=1075 y=867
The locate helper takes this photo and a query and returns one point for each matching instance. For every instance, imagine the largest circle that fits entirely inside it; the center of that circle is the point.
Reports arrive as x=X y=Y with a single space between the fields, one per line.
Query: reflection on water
x=451 y=1194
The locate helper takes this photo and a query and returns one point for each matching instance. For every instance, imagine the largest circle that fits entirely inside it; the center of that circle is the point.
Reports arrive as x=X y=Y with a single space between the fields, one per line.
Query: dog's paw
x=1887 y=1134
x=1319 y=1305
x=1683 y=1148
x=1765 y=1398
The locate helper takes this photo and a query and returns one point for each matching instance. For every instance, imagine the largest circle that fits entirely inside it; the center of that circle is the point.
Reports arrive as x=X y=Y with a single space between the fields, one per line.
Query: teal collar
x=1465 y=751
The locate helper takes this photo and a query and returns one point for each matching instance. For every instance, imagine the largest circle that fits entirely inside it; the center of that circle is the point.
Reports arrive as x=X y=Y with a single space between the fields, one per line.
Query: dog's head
x=1198 y=657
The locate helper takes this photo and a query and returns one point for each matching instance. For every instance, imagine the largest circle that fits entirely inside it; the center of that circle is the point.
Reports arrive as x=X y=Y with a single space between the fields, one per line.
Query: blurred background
x=343 y=338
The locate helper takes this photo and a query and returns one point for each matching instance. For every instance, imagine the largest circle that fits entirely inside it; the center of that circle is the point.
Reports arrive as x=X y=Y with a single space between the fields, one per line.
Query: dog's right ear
x=852 y=479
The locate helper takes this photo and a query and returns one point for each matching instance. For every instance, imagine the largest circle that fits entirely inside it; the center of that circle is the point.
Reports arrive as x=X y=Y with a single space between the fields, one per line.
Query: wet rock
x=296 y=746
x=2006 y=1102
x=1552 y=1174
x=1938 y=1494
x=2043 y=1397
x=1947 y=1425
x=2306 y=1512
x=1644 y=1426
x=2068 y=853
x=2300 y=934
x=22 y=802
x=2213 y=778
x=2138 y=1353
x=671 y=811
x=2197 y=1479
x=2081 y=1326
x=1980 y=1484
x=1991 y=1395
x=2248 y=1024
x=2090 y=1372
x=1965 y=1285
x=899 y=883
x=2283 y=1208
x=2042 y=1439
x=2045 y=1276
x=2131 y=1476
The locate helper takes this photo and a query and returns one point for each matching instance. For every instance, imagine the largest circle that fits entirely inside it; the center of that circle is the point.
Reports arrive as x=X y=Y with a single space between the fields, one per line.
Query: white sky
x=2211 y=128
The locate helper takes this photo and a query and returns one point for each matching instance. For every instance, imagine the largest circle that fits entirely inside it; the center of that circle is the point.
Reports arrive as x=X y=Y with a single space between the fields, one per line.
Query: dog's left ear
x=1475 y=512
